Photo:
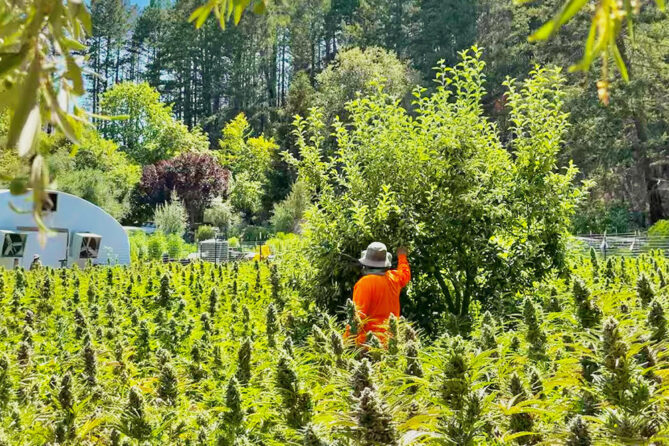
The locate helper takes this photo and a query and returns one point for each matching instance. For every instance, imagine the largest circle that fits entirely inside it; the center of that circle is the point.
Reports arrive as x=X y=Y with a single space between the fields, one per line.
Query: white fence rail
x=629 y=244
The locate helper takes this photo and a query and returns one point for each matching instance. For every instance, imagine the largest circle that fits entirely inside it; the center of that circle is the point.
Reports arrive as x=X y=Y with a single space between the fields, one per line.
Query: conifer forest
x=334 y=222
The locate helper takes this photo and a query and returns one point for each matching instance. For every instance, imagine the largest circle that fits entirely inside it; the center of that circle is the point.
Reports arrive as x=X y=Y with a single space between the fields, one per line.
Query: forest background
x=184 y=91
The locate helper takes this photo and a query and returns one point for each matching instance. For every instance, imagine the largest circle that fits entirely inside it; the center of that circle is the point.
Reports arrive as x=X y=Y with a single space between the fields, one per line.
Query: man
x=377 y=293
x=36 y=263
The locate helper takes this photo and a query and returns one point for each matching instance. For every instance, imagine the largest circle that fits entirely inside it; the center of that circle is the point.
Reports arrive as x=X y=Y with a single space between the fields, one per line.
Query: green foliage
x=145 y=128
x=204 y=232
x=246 y=195
x=659 y=229
x=603 y=39
x=393 y=173
x=41 y=80
x=222 y=216
x=96 y=171
x=243 y=154
x=288 y=214
x=160 y=339
x=156 y=246
x=171 y=218
x=358 y=72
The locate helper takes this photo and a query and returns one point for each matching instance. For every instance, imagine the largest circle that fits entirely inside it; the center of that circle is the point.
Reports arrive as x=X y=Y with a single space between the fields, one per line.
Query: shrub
x=139 y=245
x=156 y=246
x=196 y=178
x=222 y=216
x=171 y=218
x=503 y=209
x=204 y=232
x=174 y=246
x=233 y=242
x=659 y=229
x=287 y=215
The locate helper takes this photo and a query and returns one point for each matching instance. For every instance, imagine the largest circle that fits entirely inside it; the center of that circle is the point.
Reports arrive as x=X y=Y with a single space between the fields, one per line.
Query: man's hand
x=402 y=251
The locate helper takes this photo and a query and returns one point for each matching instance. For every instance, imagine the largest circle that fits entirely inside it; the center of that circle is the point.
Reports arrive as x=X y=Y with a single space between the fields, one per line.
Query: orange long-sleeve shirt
x=377 y=296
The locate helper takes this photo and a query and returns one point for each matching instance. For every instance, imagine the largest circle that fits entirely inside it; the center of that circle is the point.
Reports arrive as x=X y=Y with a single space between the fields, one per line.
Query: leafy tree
x=353 y=72
x=241 y=153
x=41 y=79
x=249 y=159
x=246 y=195
x=196 y=178
x=147 y=133
x=483 y=217
x=97 y=171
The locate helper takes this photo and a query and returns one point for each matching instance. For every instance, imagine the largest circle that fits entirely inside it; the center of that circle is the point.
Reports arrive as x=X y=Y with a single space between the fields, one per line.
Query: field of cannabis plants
x=228 y=355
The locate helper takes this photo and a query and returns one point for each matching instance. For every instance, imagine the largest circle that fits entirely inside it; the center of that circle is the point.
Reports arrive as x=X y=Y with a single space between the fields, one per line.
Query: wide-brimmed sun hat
x=376 y=256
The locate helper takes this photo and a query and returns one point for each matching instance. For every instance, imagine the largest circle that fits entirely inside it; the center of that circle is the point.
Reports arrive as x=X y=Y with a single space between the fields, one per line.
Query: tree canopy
x=484 y=216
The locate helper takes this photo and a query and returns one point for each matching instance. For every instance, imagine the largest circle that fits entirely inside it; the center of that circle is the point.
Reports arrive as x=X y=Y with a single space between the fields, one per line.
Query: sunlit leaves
x=608 y=18
x=38 y=65
x=225 y=10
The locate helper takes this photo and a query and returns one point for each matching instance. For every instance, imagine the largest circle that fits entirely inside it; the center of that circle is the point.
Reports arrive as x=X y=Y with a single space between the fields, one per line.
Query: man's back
x=377 y=296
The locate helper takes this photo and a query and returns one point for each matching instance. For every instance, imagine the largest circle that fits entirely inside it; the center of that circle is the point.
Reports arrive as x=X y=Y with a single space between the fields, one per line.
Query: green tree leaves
x=223 y=10
x=608 y=19
x=482 y=216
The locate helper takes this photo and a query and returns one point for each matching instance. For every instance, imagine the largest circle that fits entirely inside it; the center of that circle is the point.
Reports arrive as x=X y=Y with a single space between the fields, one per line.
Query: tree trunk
x=638 y=116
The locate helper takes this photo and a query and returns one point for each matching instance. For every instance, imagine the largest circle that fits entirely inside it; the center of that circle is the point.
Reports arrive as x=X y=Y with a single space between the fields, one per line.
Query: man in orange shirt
x=377 y=293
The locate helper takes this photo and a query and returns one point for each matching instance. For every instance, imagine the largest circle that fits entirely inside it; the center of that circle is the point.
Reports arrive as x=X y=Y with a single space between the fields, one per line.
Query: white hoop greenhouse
x=80 y=232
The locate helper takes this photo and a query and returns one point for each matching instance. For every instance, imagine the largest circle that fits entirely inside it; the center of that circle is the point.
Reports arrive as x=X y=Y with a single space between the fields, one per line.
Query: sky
x=140 y=3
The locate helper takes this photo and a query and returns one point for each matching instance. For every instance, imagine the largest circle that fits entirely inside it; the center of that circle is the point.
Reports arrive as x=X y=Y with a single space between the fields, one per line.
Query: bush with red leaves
x=197 y=178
